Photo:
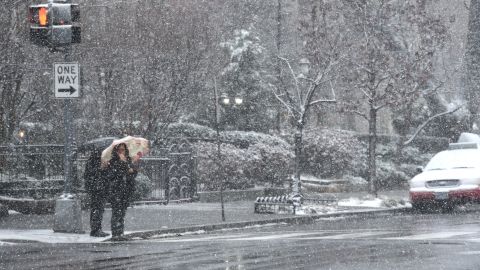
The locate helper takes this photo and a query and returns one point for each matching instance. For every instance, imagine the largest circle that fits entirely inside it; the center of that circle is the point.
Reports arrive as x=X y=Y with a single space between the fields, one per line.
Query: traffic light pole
x=55 y=25
x=69 y=144
x=69 y=137
x=68 y=210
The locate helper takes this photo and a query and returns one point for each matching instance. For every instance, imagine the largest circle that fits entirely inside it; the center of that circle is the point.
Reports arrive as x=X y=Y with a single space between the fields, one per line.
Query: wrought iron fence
x=180 y=173
x=37 y=171
x=156 y=169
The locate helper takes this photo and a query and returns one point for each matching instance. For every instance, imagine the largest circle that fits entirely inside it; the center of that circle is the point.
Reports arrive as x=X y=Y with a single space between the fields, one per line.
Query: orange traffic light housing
x=55 y=24
x=38 y=15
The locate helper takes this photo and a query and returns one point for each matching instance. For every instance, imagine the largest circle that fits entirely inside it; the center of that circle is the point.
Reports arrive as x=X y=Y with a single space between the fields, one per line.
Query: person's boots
x=119 y=238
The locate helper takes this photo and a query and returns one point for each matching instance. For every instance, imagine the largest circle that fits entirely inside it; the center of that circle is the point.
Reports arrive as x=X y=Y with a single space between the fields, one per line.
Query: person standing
x=121 y=176
x=96 y=188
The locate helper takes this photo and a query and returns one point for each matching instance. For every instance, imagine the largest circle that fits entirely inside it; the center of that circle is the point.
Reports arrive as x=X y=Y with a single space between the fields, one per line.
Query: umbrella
x=137 y=147
x=96 y=144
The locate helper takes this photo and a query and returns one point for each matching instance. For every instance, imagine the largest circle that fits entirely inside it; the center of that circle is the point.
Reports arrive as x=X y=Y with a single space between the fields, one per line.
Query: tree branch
x=333 y=100
x=293 y=75
x=422 y=126
x=289 y=108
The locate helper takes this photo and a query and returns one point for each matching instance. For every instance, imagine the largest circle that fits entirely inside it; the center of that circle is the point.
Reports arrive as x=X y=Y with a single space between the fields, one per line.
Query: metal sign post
x=68 y=211
x=55 y=25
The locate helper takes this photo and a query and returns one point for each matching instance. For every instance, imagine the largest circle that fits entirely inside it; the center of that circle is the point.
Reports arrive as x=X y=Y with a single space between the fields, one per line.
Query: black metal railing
x=36 y=171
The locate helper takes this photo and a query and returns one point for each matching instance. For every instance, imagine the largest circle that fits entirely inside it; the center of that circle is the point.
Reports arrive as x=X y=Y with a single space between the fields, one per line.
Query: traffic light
x=55 y=24
x=38 y=17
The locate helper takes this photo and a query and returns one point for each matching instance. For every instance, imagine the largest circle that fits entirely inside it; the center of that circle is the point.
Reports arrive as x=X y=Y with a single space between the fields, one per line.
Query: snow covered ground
x=345 y=205
x=11 y=237
x=357 y=202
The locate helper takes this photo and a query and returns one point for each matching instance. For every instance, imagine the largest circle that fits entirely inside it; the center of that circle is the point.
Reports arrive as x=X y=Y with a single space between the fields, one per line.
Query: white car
x=450 y=177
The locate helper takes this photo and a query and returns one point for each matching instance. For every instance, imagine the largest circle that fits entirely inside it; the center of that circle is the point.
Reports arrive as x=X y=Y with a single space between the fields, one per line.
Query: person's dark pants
x=119 y=209
x=97 y=207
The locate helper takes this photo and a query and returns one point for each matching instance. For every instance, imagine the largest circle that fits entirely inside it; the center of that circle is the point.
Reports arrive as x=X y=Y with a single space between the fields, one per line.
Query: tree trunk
x=399 y=150
x=278 y=43
x=372 y=145
x=296 y=185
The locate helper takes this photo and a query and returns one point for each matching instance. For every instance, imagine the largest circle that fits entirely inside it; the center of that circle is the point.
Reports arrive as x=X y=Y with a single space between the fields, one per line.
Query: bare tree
x=298 y=101
x=175 y=47
x=16 y=104
x=314 y=86
x=142 y=83
x=390 y=66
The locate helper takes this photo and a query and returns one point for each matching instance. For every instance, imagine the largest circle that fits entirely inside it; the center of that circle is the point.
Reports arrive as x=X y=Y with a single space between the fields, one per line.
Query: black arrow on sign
x=71 y=90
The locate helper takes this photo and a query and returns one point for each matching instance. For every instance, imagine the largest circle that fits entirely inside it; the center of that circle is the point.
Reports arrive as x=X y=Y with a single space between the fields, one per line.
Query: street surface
x=408 y=241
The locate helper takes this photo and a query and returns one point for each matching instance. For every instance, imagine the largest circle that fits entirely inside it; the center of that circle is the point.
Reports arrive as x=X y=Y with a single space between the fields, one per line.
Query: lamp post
x=230 y=103
x=224 y=100
x=304 y=64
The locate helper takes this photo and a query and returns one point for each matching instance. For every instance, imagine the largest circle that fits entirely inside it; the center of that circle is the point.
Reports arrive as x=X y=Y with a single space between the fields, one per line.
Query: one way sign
x=67 y=78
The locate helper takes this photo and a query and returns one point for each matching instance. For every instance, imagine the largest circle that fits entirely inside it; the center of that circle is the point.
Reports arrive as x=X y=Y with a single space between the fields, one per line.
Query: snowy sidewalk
x=174 y=218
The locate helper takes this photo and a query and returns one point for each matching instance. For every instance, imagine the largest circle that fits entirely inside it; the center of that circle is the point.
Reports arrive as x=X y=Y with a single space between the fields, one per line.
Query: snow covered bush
x=389 y=176
x=233 y=167
x=333 y=153
x=276 y=164
x=242 y=138
x=356 y=183
x=238 y=138
x=189 y=130
x=412 y=155
x=143 y=187
x=247 y=158
x=394 y=171
x=386 y=151
x=242 y=168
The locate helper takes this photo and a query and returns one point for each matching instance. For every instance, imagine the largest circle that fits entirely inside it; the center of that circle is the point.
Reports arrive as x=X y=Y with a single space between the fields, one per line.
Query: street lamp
x=238 y=101
x=230 y=104
x=225 y=101
x=21 y=134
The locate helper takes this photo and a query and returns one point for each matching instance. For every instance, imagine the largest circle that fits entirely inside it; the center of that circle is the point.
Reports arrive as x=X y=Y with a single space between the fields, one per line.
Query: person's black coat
x=95 y=181
x=121 y=182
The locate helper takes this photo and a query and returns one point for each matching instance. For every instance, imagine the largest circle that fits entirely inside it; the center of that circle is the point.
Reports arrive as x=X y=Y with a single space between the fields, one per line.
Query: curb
x=306 y=219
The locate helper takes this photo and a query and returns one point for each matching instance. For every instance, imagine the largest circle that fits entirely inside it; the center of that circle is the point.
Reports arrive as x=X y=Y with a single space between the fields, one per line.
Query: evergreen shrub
x=189 y=130
x=143 y=187
x=241 y=168
x=389 y=176
x=333 y=154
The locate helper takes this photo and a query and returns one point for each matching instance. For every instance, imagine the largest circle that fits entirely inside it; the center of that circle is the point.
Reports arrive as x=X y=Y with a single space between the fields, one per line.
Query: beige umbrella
x=137 y=148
